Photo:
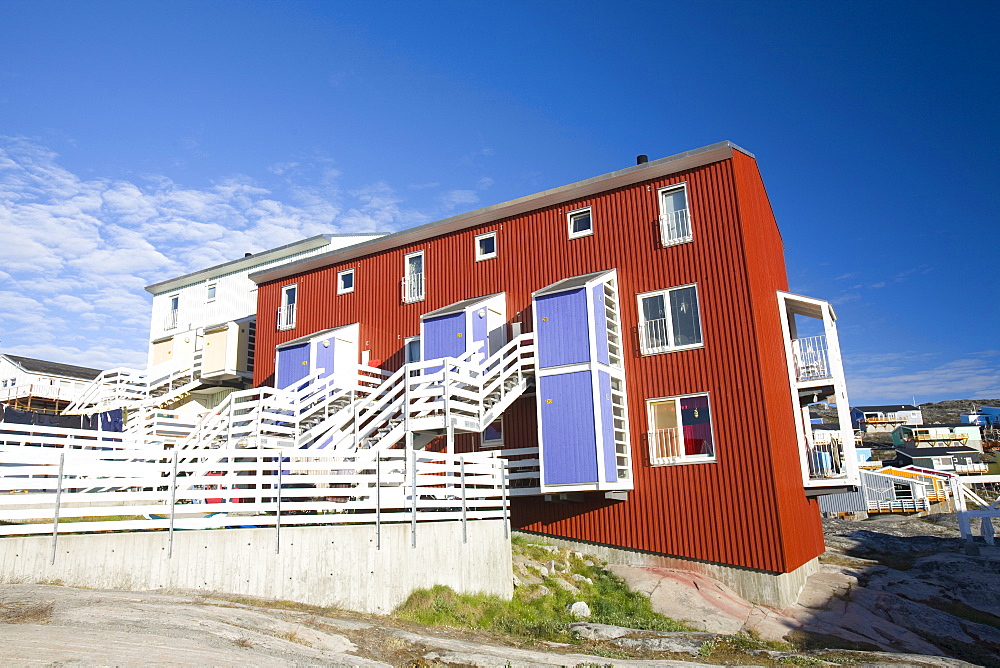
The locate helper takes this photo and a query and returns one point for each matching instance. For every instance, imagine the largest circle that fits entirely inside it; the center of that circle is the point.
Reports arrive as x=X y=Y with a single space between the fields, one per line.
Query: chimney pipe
x=247 y=254
x=641 y=159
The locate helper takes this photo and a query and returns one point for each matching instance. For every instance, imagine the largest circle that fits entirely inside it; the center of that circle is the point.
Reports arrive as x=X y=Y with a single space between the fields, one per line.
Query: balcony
x=664 y=446
x=412 y=287
x=971 y=468
x=286 y=317
x=170 y=321
x=887 y=419
x=812 y=359
x=675 y=228
x=826 y=460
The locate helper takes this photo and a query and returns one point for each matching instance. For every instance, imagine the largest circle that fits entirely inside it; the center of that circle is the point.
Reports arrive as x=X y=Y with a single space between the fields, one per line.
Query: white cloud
x=77 y=252
x=892 y=378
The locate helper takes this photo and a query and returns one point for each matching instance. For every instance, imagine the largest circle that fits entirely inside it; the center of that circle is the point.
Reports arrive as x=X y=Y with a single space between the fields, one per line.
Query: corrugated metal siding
x=748 y=508
x=851 y=502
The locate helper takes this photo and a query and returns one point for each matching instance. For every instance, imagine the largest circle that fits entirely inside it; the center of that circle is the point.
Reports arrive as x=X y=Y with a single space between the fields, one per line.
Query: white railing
x=412 y=287
x=41 y=391
x=971 y=468
x=48 y=490
x=826 y=460
x=969 y=506
x=812 y=359
x=664 y=446
x=654 y=336
x=123 y=387
x=170 y=320
x=286 y=317
x=675 y=228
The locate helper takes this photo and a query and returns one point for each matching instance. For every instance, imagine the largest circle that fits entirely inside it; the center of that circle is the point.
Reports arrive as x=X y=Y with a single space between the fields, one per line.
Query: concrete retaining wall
x=324 y=566
x=774 y=590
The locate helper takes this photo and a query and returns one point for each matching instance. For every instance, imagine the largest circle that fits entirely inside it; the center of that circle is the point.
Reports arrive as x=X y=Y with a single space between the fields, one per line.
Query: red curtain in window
x=697 y=426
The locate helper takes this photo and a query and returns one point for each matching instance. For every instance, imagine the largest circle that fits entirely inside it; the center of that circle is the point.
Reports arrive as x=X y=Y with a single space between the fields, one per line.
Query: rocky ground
x=889 y=583
x=892 y=591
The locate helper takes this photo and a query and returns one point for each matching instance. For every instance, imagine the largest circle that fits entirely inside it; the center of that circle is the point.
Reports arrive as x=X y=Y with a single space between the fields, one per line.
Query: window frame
x=660 y=192
x=211 y=291
x=682 y=459
x=341 y=290
x=407 y=299
x=569 y=222
x=407 y=342
x=495 y=444
x=665 y=292
x=480 y=256
x=283 y=321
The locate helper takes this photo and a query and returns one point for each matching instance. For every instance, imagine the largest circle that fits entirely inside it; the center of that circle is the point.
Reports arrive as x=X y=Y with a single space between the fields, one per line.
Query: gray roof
x=247 y=261
x=32 y=365
x=938 y=451
x=592 y=186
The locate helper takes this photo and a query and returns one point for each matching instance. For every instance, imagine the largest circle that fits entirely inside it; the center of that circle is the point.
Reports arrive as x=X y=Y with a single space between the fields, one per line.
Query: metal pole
x=465 y=532
x=503 y=489
x=55 y=517
x=173 y=508
x=378 y=500
x=413 y=489
x=277 y=517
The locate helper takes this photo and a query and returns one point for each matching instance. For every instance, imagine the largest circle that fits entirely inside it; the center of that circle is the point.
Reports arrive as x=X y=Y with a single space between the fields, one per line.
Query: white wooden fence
x=52 y=485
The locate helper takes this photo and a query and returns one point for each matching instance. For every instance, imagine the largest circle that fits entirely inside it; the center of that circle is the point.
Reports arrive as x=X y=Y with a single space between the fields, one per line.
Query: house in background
x=954 y=458
x=875 y=419
x=659 y=373
x=937 y=435
x=985 y=416
x=880 y=491
x=32 y=384
x=201 y=340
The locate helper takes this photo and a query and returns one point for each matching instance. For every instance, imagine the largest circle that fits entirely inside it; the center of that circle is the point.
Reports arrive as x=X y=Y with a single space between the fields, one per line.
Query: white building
x=201 y=336
x=38 y=384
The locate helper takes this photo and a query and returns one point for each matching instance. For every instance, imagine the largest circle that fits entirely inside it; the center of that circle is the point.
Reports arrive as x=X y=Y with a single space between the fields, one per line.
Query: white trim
x=682 y=458
x=341 y=290
x=682 y=239
x=666 y=307
x=211 y=291
x=412 y=294
x=486 y=256
x=569 y=223
x=286 y=321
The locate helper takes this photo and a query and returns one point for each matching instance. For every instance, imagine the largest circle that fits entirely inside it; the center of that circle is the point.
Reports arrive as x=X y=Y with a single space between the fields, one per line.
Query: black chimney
x=247 y=254
x=641 y=159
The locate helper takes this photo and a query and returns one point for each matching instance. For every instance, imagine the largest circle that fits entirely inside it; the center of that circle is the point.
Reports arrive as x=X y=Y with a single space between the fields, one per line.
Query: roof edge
x=697 y=157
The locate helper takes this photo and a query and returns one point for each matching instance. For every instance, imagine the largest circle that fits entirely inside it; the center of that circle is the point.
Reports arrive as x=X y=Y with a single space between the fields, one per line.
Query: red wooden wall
x=748 y=508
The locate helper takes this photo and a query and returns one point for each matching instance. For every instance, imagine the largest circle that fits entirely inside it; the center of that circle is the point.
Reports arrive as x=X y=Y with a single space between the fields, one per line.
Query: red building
x=662 y=368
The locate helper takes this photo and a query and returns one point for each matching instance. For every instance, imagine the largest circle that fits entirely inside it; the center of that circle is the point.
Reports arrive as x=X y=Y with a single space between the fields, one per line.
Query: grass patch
x=538 y=612
x=26 y=613
x=244 y=642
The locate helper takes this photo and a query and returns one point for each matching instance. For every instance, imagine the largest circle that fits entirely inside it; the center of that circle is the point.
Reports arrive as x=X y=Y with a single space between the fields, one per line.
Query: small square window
x=680 y=430
x=345 y=281
x=210 y=293
x=486 y=246
x=492 y=436
x=580 y=222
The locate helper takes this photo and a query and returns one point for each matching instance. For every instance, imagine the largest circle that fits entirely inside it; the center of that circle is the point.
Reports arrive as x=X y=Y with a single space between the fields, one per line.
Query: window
x=680 y=430
x=413 y=278
x=345 y=281
x=210 y=293
x=286 y=312
x=411 y=352
x=580 y=223
x=486 y=246
x=170 y=321
x=669 y=320
x=492 y=436
x=675 y=223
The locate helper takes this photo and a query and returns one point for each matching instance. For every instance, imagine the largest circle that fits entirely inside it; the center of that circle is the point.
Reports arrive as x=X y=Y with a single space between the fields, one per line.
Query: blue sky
x=144 y=140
